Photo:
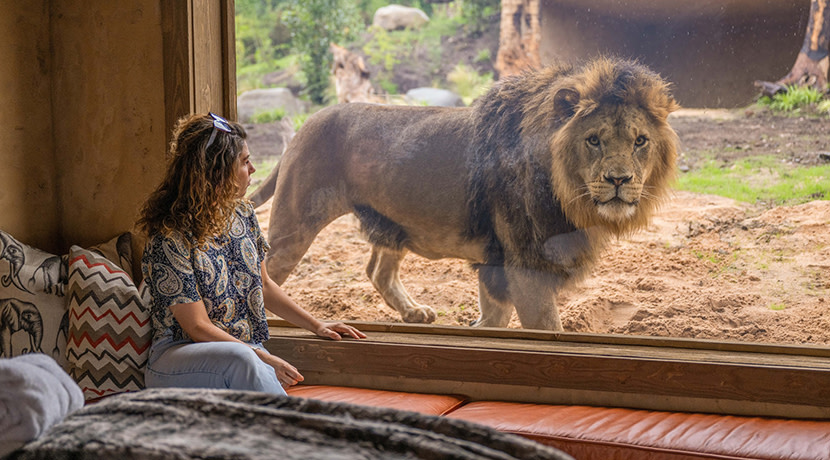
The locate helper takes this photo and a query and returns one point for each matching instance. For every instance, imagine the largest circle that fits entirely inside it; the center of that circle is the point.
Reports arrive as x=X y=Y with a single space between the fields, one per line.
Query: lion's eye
x=593 y=140
x=640 y=141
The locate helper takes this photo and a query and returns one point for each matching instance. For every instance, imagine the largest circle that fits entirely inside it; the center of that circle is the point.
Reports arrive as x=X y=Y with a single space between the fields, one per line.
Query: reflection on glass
x=741 y=251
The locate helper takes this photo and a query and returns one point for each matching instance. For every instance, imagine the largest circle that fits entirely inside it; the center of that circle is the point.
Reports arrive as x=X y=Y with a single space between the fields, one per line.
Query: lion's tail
x=266 y=190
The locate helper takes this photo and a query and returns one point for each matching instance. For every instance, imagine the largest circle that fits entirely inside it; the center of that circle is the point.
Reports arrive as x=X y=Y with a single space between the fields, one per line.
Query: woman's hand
x=336 y=330
x=277 y=302
x=287 y=374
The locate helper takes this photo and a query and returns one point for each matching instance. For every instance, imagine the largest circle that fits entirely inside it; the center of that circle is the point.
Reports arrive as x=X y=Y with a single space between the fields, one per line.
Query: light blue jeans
x=222 y=365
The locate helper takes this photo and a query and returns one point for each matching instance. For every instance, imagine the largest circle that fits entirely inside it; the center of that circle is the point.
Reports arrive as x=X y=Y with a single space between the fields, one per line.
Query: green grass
x=763 y=179
x=708 y=256
x=250 y=76
x=268 y=116
x=299 y=119
x=797 y=99
x=263 y=168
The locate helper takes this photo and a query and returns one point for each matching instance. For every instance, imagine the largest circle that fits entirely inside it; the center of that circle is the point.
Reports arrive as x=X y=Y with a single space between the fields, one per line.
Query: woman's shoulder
x=245 y=208
x=245 y=211
x=172 y=239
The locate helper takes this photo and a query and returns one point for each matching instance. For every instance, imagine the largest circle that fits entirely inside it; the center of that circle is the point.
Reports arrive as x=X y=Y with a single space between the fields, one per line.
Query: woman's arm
x=281 y=305
x=194 y=320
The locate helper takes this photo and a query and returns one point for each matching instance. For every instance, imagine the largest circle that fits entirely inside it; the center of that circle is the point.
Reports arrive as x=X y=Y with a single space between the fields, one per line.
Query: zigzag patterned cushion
x=109 y=326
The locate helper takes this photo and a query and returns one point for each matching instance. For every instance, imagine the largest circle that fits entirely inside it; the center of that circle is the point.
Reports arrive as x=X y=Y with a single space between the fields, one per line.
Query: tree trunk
x=519 y=37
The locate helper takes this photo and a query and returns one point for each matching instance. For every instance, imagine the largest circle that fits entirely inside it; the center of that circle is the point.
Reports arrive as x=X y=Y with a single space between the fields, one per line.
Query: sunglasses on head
x=220 y=124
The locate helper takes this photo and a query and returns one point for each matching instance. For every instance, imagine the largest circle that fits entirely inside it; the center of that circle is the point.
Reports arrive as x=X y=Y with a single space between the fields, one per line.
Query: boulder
x=394 y=17
x=269 y=140
x=255 y=101
x=434 y=97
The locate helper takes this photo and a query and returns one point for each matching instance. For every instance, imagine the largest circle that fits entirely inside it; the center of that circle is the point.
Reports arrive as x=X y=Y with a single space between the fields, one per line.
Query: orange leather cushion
x=424 y=403
x=605 y=433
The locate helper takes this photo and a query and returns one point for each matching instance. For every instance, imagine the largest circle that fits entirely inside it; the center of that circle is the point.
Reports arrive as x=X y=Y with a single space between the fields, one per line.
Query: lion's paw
x=419 y=314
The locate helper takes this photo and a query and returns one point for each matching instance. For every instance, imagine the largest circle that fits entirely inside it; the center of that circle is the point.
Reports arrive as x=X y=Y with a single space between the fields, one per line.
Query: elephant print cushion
x=33 y=314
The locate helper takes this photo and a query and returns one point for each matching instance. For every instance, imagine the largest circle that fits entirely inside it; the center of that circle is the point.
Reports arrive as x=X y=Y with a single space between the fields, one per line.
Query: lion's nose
x=618 y=180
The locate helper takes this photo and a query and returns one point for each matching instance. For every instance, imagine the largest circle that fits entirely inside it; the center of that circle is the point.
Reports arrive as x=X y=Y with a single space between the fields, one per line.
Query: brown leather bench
x=604 y=433
x=417 y=402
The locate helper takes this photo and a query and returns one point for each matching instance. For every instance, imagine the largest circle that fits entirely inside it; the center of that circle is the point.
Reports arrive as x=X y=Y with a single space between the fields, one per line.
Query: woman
x=204 y=263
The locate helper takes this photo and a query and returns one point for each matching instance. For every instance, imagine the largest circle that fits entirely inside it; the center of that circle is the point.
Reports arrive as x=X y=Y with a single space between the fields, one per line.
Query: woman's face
x=244 y=169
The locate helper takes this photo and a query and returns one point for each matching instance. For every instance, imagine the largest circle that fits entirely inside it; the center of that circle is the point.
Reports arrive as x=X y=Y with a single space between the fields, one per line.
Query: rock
x=394 y=17
x=434 y=96
x=255 y=101
x=283 y=79
x=268 y=140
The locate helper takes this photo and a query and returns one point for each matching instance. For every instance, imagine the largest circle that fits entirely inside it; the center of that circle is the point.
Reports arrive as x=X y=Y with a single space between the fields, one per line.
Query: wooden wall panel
x=108 y=113
x=91 y=89
x=28 y=180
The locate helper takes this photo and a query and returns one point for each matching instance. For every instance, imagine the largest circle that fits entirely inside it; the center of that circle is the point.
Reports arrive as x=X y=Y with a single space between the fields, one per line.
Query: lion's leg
x=494 y=313
x=384 y=271
x=533 y=294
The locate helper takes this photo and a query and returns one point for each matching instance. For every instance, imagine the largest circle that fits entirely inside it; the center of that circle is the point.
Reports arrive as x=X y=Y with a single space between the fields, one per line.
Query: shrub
x=468 y=84
x=268 y=116
x=315 y=24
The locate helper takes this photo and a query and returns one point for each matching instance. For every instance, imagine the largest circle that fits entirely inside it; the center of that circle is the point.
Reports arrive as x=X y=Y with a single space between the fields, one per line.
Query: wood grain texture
x=661 y=376
x=199 y=58
x=178 y=61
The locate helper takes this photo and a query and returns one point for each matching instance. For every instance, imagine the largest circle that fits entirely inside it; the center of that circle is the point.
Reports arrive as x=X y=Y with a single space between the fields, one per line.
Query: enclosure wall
x=711 y=51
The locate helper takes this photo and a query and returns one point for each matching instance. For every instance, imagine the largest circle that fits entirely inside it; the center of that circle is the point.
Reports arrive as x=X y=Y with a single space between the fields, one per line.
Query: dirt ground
x=707 y=267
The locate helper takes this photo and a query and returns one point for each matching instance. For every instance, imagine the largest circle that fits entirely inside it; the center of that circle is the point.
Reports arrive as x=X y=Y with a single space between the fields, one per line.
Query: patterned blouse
x=224 y=273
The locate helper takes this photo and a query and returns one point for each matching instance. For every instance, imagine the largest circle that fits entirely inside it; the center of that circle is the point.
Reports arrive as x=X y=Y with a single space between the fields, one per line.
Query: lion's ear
x=564 y=103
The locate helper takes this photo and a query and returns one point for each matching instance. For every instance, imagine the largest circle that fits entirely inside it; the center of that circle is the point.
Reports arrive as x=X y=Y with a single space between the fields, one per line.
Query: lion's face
x=617 y=164
x=614 y=161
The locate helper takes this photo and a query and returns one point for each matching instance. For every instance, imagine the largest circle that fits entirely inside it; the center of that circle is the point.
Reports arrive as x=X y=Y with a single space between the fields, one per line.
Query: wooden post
x=199 y=58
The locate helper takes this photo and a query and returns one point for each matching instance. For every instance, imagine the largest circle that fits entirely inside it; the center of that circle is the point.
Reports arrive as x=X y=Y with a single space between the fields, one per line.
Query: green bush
x=298 y=120
x=262 y=46
x=483 y=56
x=383 y=48
x=468 y=84
x=260 y=33
x=268 y=116
x=314 y=25
x=475 y=13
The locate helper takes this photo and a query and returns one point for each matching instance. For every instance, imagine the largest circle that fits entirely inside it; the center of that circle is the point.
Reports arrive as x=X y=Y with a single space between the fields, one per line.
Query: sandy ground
x=708 y=267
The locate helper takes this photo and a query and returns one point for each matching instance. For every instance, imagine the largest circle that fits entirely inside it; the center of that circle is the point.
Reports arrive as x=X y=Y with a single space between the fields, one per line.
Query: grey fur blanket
x=224 y=424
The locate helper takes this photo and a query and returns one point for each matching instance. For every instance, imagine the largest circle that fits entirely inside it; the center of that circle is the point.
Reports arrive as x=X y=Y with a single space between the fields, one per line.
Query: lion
x=528 y=184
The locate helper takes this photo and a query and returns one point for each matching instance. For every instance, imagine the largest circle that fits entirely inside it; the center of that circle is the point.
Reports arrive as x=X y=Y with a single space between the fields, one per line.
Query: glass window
x=740 y=250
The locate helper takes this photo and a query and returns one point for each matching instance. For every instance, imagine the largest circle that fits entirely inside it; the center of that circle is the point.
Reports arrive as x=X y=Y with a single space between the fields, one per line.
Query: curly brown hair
x=199 y=192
